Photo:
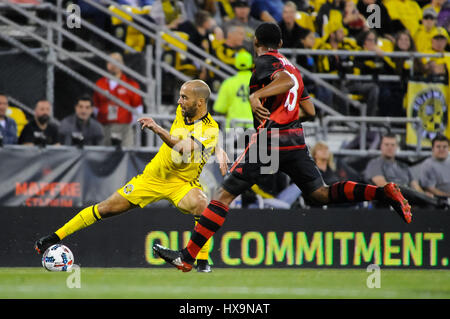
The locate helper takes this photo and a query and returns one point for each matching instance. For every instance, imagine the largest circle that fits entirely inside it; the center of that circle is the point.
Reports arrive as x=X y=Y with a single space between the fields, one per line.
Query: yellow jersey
x=422 y=38
x=407 y=11
x=171 y=166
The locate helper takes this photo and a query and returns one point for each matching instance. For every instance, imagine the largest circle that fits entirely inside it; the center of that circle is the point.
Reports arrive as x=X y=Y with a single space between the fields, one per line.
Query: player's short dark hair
x=268 y=34
x=389 y=135
x=42 y=99
x=83 y=97
x=439 y=138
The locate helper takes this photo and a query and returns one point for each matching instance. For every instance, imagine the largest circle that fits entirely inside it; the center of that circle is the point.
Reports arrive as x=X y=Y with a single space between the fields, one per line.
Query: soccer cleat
x=43 y=243
x=172 y=257
x=398 y=202
x=203 y=266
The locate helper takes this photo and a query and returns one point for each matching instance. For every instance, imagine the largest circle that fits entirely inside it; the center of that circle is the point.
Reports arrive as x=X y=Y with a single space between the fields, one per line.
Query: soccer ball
x=57 y=258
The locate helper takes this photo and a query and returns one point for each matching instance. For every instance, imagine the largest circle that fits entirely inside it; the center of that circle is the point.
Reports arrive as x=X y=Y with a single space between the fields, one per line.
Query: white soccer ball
x=57 y=258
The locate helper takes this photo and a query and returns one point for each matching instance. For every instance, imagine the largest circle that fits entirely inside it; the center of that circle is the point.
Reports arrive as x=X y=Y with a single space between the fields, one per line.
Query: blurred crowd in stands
x=222 y=28
x=225 y=29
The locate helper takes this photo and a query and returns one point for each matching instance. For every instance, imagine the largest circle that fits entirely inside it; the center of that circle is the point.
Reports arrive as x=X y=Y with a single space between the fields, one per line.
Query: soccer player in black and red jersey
x=279 y=104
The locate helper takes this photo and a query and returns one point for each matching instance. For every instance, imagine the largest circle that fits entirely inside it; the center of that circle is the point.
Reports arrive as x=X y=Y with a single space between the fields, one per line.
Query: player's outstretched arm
x=307 y=111
x=223 y=160
x=282 y=82
x=182 y=146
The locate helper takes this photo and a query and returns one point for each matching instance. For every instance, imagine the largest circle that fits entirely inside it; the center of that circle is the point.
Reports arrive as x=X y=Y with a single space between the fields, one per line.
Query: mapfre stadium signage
x=73 y=177
x=333 y=238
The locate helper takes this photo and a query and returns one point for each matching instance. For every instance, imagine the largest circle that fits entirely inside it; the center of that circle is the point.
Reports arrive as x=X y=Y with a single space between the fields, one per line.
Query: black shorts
x=297 y=163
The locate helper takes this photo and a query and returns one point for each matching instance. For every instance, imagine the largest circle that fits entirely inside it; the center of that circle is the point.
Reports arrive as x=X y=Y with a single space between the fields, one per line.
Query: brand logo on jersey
x=128 y=189
x=277 y=65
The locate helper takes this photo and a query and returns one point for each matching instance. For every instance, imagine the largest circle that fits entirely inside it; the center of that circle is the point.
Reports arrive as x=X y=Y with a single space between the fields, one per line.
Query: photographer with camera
x=80 y=128
x=40 y=130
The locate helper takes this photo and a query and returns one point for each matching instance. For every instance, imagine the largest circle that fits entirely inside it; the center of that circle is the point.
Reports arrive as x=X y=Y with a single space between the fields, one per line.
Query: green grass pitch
x=223 y=283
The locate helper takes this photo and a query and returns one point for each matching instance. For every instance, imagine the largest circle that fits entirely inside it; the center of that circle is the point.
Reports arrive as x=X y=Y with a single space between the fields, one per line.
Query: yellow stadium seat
x=131 y=36
x=18 y=116
x=227 y=7
x=175 y=58
x=135 y=39
x=305 y=20
x=356 y=97
x=385 y=44
x=334 y=24
x=317 y=4
x=134 y=10
x=171 y=12
x=174 y=41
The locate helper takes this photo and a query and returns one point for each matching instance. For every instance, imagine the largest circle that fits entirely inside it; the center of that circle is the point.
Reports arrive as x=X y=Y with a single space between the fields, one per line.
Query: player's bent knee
x=200 y=203
x=221 y=195
x=320 y=195
x=114 y=205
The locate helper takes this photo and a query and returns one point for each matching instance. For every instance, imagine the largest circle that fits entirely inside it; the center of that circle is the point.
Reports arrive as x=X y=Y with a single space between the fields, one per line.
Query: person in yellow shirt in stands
x=336 y=40
x=437 y=67
x=428 y=29
x=227 y=49
x=234 y=42
x=404 y=12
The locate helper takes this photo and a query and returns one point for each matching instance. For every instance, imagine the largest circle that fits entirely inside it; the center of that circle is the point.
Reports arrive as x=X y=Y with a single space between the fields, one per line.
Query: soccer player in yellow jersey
x=172 y=174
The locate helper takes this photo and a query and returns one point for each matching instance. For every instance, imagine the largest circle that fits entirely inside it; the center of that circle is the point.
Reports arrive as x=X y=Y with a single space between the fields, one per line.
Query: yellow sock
x=204 y=252
x=84 y=218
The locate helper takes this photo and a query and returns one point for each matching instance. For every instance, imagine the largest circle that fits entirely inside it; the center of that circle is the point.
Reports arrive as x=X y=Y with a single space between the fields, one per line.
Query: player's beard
x=191 y=111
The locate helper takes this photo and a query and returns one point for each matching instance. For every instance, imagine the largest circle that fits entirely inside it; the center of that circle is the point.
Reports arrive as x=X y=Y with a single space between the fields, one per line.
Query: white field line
x=218 y=292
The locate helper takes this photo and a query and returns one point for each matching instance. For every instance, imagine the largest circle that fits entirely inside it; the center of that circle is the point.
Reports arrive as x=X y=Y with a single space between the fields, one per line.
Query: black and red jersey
x=284 y=108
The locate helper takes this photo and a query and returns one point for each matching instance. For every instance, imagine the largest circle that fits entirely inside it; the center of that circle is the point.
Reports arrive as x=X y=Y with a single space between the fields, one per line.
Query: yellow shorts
x=142 y=190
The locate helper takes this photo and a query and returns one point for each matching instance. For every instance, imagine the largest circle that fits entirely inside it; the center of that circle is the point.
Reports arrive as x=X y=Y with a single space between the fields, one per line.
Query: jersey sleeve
x=305 y=94
x=266 y=66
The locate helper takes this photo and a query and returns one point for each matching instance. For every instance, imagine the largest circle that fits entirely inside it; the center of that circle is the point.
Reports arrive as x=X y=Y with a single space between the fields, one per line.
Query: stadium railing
x=396 y=54
x=363 y=130
x=55 y=53
x=152 y=92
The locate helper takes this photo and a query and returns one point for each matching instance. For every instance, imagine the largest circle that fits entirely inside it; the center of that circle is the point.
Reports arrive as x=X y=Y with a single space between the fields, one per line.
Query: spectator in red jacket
x=117 y=120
